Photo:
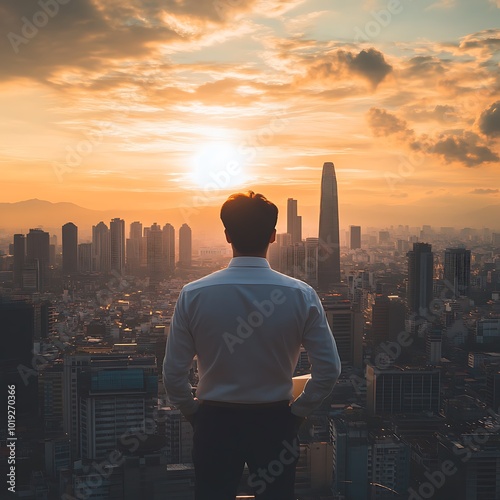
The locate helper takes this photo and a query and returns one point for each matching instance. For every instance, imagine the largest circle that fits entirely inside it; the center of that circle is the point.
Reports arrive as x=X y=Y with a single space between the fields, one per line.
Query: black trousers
x=227 y=437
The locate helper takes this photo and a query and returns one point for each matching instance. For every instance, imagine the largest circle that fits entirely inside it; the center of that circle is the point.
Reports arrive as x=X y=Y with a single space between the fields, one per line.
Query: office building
x=294 y=221
x=38 y=254
x=117 y=245
x=169 y=247
x=311 y=264
x=329 y=247
x=457 y=271
x=155 y=254
x=420 y=274
x=85 y=257
x=105 y=396
x=134 y=249
x=433 y=345
x=348 y=327
x=101 y=247
x=17 y=337
x=19 y=259
x=69 y=248
x=388 y=318
x=355 y=237
x=185 y=246
x=402 y=390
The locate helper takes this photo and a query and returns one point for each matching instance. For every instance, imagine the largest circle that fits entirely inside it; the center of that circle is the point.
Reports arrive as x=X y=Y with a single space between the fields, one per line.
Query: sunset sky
x=161 y=104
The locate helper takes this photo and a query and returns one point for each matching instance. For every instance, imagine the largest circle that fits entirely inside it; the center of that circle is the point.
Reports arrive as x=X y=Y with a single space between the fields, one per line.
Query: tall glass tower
x=329 y=247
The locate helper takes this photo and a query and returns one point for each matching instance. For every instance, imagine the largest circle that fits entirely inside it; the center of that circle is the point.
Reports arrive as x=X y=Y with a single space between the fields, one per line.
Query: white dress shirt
x=245 y=324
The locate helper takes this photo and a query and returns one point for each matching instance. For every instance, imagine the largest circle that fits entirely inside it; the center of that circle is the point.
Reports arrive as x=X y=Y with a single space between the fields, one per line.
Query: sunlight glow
x=218 y=166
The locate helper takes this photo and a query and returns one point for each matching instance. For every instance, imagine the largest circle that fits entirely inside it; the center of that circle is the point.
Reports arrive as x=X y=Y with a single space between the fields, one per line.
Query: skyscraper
x=101 y=248
x=169 y=247
x=329 y=247
x=19 y=258
x=37 y=253
x=69 y=248
x=420 y=272
x=355 y=237
x=134 y=244
x=117 y=238
x=294 y=221
x=457 y=270
x=155 y=255
x=185 y=246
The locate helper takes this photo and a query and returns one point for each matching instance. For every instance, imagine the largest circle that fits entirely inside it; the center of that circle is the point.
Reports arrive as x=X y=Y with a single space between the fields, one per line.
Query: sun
x=217 y=166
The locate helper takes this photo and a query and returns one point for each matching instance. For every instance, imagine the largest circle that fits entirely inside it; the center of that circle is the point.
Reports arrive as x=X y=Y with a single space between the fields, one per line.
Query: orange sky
x=165 y=104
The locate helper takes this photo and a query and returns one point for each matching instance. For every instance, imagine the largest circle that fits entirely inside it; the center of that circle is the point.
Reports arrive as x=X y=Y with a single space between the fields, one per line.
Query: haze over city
x=152 y=107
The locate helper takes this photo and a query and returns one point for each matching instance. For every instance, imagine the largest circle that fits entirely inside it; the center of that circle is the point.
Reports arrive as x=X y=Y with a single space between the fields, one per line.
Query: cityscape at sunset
x=250 y=249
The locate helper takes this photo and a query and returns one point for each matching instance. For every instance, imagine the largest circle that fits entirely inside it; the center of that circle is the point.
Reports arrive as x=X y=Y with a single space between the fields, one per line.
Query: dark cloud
x=78 y=34
x=459 y=146
x=466 y=148
x=489 y=121
x=384 y=123
x=424 y=66
x=369 y=64
x=442 y=113
x=372 y=65
x=484 y=191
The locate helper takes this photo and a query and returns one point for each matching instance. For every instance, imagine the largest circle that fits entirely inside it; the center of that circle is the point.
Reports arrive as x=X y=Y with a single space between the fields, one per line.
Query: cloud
x=420 y=66
x=489 y=121
x=369 y=64
x=384 y=124
x=442 y=113
x=461 y=146
x=484 y=191
x=466 y=148
x=442 y=5
x=372 y=65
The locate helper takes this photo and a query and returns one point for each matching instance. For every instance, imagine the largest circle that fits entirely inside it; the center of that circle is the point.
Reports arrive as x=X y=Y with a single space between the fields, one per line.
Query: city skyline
x=194 y=101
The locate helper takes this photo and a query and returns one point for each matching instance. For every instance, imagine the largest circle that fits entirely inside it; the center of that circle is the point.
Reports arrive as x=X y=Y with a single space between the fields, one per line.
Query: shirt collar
x=249 y=262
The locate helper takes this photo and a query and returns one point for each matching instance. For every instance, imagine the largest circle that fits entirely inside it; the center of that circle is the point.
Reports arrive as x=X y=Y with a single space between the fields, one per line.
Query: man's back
x=246 y=324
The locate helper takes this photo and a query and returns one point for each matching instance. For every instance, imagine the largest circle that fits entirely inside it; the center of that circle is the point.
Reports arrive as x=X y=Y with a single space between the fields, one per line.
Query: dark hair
x=249 y=220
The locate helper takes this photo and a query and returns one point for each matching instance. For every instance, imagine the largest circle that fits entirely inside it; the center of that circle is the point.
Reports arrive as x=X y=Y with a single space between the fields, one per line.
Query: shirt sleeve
x=324 y=358
x=179 y=354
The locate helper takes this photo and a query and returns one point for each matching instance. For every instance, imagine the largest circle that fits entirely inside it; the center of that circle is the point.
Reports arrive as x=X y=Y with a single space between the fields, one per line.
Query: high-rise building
x=402 y=390
x=329 y=247
x=105 y=396
x=37 y=251
x=117 y=239
x=311 y=271
x=348 y=327
x=155 y=254
x=185 y=246
x=19 y=258
x=169 y=247
x=85 y=257
x=69 y=248
x=368 y=465
x=101 y=248
x=457 y=271
x=355 y=242
x=294 y=221
x=134 y=244
x=17 y=336
x=388 y=318
x=420 y=273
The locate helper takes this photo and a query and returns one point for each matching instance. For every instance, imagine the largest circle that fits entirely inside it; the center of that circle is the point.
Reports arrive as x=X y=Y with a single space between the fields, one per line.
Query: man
x=245 y=324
